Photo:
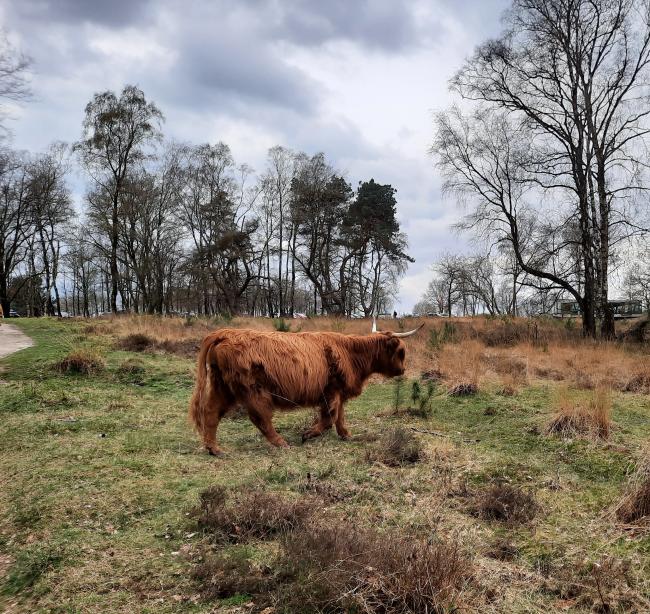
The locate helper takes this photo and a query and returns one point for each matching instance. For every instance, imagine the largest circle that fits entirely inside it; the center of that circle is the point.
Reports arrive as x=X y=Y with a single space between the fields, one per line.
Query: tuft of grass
x=132 y=369
x=576 y=418
x=85 y=362
x=505 y=503
x=635 y=505
x=399 y=446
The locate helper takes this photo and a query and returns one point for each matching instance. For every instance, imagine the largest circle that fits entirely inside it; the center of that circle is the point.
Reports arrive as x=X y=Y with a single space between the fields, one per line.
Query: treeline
x=550 y=150
x=168 y=227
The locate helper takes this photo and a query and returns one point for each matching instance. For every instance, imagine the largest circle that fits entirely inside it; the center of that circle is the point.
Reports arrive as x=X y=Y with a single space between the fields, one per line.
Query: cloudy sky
x=356 y=79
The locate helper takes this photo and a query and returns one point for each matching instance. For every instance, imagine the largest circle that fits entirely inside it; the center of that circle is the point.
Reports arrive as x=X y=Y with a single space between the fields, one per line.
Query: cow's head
x=393 y=352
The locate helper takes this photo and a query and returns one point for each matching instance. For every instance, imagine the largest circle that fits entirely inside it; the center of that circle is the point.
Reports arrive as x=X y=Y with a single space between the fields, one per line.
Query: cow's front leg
x=329 y=410
x=261 y=414
x=341 y=429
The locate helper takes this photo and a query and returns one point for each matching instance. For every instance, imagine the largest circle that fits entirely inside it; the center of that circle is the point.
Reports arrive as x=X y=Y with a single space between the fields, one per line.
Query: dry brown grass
x=85 y=362
x=510 y=352
x=579 y=418
x=462 y=367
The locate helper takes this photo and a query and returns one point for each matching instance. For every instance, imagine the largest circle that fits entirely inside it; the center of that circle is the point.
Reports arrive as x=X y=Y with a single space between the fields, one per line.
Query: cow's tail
x=200 y=397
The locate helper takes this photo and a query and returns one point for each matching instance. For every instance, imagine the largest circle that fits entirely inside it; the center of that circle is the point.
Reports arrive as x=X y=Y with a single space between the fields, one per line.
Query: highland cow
x=265 y=371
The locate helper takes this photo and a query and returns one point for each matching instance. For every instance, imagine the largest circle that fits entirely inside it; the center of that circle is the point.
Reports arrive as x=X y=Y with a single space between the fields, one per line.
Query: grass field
x=101 y=474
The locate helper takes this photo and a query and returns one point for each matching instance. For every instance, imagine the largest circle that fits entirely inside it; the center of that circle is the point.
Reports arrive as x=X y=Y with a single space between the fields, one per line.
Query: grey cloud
x=111 y=13
x=237 y=71
x=377 y=24
x=382 y=24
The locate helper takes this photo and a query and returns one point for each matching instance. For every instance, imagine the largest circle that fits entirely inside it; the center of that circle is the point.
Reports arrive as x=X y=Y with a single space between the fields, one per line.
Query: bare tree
x=49 y=198
x=571 y=74
x=116 y=132
x=16 y=226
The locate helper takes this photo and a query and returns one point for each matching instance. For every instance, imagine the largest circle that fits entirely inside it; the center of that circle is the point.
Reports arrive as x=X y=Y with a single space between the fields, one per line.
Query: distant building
x=620 y=307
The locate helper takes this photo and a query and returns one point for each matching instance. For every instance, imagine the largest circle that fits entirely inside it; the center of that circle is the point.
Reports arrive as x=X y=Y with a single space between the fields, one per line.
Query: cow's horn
x=374 y=324
x=409 y=333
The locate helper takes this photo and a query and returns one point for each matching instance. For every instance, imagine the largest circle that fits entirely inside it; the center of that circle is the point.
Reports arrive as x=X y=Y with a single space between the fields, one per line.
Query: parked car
x=13 y=313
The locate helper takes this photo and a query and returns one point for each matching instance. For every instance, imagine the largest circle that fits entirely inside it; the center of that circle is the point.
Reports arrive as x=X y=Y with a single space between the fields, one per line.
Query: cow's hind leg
x=329 y=411
x=261 y=414
x=216 y=410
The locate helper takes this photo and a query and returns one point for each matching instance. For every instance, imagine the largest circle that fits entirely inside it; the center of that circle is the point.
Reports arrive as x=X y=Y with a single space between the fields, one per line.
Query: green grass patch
x=101 y=471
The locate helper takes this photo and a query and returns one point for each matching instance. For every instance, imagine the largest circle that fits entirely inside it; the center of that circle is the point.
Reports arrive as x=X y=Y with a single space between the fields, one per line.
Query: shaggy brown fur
x=264 y=371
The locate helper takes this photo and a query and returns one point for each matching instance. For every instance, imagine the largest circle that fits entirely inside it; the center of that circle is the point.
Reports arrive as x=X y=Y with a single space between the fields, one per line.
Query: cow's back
x=293 y=367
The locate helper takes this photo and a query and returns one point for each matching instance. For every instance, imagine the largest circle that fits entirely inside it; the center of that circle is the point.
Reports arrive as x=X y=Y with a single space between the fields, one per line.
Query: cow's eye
x=401 y=353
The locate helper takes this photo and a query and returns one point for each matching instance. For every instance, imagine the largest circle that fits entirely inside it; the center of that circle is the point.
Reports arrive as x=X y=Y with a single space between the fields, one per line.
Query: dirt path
x=12 y=339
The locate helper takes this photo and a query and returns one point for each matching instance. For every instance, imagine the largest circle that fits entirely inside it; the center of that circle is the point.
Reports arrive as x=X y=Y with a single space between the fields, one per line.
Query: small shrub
x=84 y=362
x=421 y=394
x=398 y=393
x=635 y=505
x=438 y=338
x=131 y=366
x=251 y=514
x=337 y=566
x=187 y=348
x=508 y=365
x=435 y=375
x=504 y=334
x=504 y=503
x=135 y=342
x=338 y=325
x=573 y=419
x=502 y=549
x=397 y=447
x=639 y=382
x=226 y=576
x=281 y=325
x=462 y=389
x=597 y=586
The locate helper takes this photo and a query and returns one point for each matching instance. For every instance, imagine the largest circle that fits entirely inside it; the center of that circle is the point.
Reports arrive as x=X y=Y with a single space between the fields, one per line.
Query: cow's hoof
x=310 y=435
x=281 y=443
x=214 y=451
x=345 y=435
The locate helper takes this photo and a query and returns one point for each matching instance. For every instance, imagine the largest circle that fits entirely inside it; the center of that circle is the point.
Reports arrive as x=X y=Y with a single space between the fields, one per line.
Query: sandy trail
x=12 y=339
